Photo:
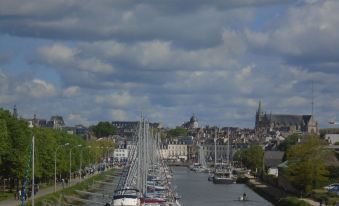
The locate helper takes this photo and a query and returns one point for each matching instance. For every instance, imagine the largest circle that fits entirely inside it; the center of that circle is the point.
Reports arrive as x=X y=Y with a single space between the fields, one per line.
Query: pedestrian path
x=40 y=193
x=311 y=202
x=275 y=192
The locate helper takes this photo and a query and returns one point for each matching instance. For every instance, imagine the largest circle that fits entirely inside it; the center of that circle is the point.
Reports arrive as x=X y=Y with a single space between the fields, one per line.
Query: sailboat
x=223 y=172
x=200 y=166
x=146 y=180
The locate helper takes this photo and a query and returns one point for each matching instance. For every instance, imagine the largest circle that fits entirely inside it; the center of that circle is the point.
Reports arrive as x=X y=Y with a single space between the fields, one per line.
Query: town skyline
x=108 y=61
x=193 y=121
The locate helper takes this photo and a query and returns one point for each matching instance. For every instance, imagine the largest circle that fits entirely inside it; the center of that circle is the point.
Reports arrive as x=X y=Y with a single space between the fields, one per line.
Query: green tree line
x=250 y=157
x=306 y=164
x=15 y=147
x=307 y=161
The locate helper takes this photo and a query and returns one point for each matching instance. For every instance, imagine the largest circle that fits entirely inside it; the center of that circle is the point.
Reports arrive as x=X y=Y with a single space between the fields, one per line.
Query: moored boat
x=126 y=197
x=223 y=174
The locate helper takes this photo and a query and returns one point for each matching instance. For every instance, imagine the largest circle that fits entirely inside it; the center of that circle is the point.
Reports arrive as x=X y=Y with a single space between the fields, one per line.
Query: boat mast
x=215 y=152
x=228 y=146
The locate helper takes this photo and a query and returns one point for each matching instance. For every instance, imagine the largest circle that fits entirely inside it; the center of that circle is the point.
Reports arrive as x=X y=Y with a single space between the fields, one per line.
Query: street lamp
x=70 y=163
x=55 y=154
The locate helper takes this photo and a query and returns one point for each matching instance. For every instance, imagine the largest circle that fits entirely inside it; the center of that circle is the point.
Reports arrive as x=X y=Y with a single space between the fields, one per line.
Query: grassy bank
x=5 y=195
x=275 y=195
x=292 y=201
x=325 y=196
x=84 y=185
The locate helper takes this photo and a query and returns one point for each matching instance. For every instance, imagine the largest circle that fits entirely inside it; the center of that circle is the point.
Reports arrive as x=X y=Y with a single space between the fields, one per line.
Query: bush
x=242 y=179
x=292 y=201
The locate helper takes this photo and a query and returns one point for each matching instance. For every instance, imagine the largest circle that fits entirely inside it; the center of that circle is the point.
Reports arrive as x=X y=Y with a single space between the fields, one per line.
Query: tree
x=289 y=141
x=4 y=141
x=251 y=157
x=178 y=131
x=306 y=169
x=104 y=129
x=15 y=148
x=44 y=152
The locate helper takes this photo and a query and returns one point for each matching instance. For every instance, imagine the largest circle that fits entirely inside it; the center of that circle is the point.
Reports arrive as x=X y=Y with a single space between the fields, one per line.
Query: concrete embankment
x=270 y=193
x=275 y=195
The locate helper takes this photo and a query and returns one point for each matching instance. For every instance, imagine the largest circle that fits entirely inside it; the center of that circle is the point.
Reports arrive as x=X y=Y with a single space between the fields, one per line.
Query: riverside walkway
x=274 y=192
x=40 y=193
x=45 y=191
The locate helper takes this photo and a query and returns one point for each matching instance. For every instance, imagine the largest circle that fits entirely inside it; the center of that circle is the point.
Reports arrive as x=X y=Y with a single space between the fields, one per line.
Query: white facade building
x=332 y=138
x=164 y=151
x=177 y=151
x=120 y=155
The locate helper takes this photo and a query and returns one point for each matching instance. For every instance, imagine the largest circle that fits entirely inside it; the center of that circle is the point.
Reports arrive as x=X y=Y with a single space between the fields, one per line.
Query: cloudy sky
x=91 y=60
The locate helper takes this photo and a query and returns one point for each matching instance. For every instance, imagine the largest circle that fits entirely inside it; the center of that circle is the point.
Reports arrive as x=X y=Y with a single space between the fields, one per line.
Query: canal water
x=196 y=190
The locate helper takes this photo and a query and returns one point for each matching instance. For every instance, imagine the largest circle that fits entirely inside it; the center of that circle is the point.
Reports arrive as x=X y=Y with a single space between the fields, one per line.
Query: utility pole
x=33 y=185
x=312 y=98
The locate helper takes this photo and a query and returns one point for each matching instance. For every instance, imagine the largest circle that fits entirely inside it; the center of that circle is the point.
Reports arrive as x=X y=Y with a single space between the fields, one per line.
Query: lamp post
x=70 y=163
x=55 y=154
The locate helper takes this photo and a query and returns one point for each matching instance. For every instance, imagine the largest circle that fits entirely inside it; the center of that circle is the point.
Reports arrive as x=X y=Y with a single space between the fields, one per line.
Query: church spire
x=15 y=112
x=259 y=108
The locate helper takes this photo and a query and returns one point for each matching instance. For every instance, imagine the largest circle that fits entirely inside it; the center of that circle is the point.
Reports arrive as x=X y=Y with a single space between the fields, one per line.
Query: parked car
x=334 y=189
x=331 y=186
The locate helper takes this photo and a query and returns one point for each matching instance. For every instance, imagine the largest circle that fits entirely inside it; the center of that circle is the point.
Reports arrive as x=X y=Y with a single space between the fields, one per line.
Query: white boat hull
x=126 y=202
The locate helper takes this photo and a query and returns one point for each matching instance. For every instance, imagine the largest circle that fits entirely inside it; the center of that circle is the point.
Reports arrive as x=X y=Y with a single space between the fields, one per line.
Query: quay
x=271 y=193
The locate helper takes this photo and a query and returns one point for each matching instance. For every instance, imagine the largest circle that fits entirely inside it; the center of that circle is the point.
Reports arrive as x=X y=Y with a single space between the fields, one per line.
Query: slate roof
x=273 y=158
x=284 y=119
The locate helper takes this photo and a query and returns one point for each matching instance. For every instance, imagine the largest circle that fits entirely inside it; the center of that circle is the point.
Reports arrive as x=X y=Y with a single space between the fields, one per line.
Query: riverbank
x=83 y=185
x=275 y=195
x=48 y=196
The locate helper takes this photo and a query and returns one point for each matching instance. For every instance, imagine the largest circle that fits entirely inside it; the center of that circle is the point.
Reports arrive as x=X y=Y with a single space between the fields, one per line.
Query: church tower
x=15 y=112
x=258 y=116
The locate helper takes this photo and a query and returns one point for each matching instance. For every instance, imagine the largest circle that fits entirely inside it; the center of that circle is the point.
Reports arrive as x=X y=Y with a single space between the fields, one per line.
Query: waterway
x=196 y=190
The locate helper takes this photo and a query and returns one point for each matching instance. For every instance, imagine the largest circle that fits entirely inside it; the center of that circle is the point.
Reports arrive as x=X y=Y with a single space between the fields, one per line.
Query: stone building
x=128 y=129
x=192 y=124
x=285 y=123
x=179 y=149
x=220 y=148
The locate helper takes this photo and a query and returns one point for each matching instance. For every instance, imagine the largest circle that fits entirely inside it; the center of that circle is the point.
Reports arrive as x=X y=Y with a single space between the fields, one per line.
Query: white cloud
x=247 y=102
x=141 y=55
x=66 y=58
x=244 y=79
x=118 y=115
x=121 y=99
x=94 y=65
x=77 y=119
x=162 y=56
x=305 y=34
x=295 y=101
x=154 y=52
x=36 y=88
x=7 y=99
x=71 y=91
x=233 y=42
x=57 y=53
